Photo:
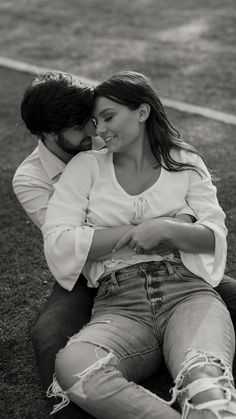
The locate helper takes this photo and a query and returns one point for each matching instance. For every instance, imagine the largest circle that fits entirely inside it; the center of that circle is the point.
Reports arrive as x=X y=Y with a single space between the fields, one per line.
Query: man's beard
x=86 y=144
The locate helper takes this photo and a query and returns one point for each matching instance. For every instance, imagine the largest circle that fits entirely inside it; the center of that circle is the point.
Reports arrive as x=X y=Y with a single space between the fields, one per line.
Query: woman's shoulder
x=98 y=154
x=90 y=157
x=184 y=156
x=86 y=164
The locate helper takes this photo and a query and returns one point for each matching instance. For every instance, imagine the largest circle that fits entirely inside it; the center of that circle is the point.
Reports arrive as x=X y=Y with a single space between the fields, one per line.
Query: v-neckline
x=113 y=172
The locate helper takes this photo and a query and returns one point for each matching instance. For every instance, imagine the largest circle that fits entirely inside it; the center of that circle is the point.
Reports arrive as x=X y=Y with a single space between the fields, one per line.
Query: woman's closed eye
x=108 y=118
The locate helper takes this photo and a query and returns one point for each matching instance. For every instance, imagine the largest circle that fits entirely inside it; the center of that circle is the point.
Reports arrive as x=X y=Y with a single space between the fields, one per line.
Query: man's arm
x=33 y=194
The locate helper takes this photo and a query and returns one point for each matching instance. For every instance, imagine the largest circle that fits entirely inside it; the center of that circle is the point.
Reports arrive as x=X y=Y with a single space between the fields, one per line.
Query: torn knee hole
x=203 y=379
x=109 y=360
x=81 y=378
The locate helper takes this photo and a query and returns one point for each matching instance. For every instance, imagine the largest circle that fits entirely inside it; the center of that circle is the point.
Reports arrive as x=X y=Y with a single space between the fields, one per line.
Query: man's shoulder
x=30 y=163
x=31 y=170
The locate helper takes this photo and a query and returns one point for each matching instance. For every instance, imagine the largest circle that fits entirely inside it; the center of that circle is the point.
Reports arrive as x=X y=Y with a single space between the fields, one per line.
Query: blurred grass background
x=187 y=48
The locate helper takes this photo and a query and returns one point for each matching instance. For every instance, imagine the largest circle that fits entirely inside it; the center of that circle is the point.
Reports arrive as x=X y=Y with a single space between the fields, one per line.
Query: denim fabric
x=140 y=312
x=146 y=306
x=64 y=314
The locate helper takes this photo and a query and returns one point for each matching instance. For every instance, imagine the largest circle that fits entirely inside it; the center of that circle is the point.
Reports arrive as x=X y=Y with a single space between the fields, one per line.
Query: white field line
x=169 y=103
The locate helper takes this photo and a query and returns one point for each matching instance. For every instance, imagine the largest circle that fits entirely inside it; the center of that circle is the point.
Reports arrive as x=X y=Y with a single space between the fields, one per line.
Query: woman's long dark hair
x=132 y=89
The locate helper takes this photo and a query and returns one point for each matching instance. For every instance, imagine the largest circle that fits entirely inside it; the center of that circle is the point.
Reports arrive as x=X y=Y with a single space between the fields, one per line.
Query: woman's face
x=116 y=124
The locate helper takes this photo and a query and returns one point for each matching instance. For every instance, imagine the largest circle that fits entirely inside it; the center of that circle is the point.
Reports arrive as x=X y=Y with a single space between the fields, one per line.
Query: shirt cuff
x=186 y=210
x=66 y=250
x=209 y=267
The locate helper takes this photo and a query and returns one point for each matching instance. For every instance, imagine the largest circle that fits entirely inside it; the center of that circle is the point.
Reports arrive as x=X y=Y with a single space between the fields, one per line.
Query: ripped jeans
x=140 y=313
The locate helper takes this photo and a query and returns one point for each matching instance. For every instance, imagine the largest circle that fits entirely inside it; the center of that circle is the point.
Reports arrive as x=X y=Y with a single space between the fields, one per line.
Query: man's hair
x=56 y=101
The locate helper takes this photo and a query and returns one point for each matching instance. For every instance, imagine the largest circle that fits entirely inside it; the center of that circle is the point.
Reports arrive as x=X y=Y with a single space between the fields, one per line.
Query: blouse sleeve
x=202 y=198
x=67 y=240
x=185 y=210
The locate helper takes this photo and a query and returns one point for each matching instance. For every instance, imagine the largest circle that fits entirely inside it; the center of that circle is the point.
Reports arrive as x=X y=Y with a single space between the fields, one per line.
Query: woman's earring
x=141 y=119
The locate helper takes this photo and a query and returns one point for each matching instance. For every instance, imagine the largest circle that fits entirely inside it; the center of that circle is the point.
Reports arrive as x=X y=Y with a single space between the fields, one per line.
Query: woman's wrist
x=191 y=238
x=105 y=239
x=165 y=231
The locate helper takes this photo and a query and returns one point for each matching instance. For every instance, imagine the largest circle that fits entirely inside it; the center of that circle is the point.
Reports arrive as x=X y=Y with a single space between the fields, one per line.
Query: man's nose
x=91 y=130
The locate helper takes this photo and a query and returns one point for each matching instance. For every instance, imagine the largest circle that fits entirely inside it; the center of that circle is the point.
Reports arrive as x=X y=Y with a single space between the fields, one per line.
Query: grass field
x=187 y=50
x=186 y=46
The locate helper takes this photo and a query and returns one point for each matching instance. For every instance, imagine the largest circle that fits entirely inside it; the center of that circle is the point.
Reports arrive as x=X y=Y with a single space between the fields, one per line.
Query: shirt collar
x=51 y=163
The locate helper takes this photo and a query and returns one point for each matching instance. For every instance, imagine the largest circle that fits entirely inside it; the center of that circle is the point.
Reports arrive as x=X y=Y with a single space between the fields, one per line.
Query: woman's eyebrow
x=105 y=110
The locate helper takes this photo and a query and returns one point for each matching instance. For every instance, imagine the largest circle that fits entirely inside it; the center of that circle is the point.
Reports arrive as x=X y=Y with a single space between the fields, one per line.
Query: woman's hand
x=161 y=248
x=145 y=236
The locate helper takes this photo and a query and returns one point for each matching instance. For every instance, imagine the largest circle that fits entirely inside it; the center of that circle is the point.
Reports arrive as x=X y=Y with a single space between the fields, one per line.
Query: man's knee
x=38 y=330
x=227 y=291
x=48 y=332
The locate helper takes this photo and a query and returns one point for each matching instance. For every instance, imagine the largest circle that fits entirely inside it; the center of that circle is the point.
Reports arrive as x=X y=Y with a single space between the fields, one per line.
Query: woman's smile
x=110 y=140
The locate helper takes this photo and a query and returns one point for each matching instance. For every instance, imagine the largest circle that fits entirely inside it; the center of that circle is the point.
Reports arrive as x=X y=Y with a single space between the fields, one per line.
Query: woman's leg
x=199 y=348
x=100 y=381
x=98 y=367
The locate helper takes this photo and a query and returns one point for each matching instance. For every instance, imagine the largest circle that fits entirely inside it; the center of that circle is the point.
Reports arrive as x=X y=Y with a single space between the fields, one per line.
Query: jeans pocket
x=184 y=274
x=104 y=290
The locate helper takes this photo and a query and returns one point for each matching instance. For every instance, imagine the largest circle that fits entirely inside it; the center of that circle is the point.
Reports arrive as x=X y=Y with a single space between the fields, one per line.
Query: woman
x=115 y=214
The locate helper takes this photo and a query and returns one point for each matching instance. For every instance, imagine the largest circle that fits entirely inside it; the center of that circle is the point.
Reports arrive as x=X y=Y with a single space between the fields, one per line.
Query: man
x=57 y=109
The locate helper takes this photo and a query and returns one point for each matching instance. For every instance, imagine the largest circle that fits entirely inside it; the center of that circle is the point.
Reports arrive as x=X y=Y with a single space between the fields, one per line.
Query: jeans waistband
x=163 y=266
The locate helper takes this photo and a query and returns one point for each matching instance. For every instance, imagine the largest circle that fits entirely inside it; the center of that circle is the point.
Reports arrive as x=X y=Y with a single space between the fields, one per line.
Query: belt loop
x=169 y=267
x=113 y=277
x=142 y=269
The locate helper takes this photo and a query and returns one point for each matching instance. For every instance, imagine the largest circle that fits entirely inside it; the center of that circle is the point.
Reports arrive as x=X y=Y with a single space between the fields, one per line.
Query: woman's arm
x=104 y=240
x=67 y=239
x=177 y=234
x=190 y=238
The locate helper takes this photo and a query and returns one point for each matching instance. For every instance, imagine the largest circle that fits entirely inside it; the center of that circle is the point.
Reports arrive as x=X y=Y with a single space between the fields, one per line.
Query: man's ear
x=50 y=137
x=144 y=111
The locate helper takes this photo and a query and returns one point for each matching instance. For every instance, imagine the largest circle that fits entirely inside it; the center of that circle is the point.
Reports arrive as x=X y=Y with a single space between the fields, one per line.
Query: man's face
x=73 y=140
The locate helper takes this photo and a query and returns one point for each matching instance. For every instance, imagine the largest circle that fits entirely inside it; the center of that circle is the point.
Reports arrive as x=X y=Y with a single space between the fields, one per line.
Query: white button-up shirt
x=34 y=181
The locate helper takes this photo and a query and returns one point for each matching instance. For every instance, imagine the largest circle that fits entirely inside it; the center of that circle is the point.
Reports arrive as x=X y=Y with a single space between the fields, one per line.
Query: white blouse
x=88 y=196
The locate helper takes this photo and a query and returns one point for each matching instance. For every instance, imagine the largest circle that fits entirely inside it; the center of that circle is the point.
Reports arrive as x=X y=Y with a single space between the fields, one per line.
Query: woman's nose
x=100 y=129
